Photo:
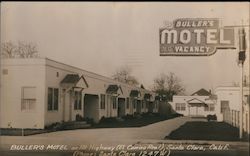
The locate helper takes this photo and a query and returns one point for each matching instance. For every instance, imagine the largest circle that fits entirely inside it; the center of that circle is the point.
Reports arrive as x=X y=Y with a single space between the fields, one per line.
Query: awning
x=135 y=93
x=157 y=97
x=197 y=103
x=147 y=96
x=71 y=78
x=75 y=81
x=114 y=89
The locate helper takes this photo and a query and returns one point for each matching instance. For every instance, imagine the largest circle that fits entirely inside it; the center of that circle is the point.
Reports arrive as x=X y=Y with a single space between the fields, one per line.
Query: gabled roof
x=195 y=100
x=113 y=89
x=135 y=93
x=202 y=92
x=75 y=81
x=71 y=78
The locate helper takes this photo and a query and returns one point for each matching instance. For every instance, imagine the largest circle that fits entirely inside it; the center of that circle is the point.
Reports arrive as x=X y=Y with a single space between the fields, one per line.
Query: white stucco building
x=224 y=103
x=200 y=103
x=39 y=91
x=228 y=99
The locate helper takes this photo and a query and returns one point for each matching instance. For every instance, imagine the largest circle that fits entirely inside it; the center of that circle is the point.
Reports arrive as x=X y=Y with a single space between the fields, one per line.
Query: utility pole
x=242 y=57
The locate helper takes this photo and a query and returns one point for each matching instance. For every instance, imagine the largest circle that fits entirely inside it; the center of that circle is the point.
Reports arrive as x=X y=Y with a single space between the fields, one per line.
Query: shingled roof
x=112 y=89
x=202 y=92
x=135 y=93
x=71 y=78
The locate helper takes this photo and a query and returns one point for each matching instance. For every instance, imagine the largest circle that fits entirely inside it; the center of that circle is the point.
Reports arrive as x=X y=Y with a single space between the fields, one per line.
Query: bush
x=211 y=117
x=128 y=117
x=176 y=115
x=108 y=120
x=79 y=117
x=88 y=120
x=54 y=126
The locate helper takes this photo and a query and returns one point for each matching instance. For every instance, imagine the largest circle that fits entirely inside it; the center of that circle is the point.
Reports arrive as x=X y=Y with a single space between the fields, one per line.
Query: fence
x=232 y=117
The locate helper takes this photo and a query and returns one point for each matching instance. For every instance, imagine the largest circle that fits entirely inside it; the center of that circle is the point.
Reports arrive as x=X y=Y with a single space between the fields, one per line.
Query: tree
x=8 y=50
x=168 y=85
x=21 y=50
x=123 y=74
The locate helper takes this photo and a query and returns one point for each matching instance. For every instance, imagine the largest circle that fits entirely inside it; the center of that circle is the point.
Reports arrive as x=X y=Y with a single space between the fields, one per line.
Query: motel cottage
x=224 y=103
x=36 y=92
x=199 y=103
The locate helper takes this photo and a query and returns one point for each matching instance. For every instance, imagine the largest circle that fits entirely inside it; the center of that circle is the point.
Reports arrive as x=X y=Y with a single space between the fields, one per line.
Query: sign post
x=242 y=57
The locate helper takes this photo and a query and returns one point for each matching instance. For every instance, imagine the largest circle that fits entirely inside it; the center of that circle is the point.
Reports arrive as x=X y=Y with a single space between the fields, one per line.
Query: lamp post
x=242 y=57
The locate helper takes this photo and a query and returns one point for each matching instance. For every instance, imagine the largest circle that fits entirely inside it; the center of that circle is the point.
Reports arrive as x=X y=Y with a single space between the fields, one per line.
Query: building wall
x=231 y=94
x=54 y=75
x=44 y=74
x=22 y=73
x=201 y=110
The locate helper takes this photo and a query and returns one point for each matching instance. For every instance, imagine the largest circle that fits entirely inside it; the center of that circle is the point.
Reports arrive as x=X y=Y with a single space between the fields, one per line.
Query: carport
x=91 y=107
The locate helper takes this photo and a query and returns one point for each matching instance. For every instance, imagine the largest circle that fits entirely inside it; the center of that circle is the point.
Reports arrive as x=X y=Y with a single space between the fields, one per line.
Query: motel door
x=66 y=105
x=193 y=111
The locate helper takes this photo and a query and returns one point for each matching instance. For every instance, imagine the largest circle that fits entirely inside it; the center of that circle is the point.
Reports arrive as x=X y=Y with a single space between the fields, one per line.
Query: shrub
x=108 y=120
x=176 y=115
x=211 y=117
x=128 y=117
x=88 y=120
x=54 y=126
x=79 y=117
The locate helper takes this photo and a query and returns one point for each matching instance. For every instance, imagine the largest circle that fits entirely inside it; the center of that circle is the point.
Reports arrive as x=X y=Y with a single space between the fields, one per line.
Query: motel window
x=180 y=107
x=55 y=97
x=78 y=100
x=114 y=102
x=210 y=107
x=102 y=101
x=206 y=108
x=183 y=107
x=127 y=103
x=28 y=98
x=224 y=106
x=247 y=99
x=53 y=94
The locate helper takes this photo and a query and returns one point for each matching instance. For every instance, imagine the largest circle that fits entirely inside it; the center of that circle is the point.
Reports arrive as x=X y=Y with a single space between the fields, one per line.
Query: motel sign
x=195 y=37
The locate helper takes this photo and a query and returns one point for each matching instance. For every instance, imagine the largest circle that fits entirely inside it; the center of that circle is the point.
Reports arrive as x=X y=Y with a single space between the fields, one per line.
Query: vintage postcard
x=124 y=79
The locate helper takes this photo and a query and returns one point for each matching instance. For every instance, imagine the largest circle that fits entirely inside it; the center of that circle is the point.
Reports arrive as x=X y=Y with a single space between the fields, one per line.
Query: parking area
x=156 y=131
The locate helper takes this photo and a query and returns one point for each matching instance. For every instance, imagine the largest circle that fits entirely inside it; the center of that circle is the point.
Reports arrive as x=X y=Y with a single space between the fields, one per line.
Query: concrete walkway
x=155 y=131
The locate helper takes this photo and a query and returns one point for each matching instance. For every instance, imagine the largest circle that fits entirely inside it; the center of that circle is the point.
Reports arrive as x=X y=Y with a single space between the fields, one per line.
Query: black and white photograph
x=124 y=78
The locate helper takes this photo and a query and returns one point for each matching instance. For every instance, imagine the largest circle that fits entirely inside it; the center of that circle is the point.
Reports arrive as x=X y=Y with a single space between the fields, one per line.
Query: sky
x=103 y=36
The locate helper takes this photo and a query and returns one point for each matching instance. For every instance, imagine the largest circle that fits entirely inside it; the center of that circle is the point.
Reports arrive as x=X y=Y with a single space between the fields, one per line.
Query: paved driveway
x=155 y=131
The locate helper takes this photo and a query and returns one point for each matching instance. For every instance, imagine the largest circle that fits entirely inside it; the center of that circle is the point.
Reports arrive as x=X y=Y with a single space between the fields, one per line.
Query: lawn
x=205 y=131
